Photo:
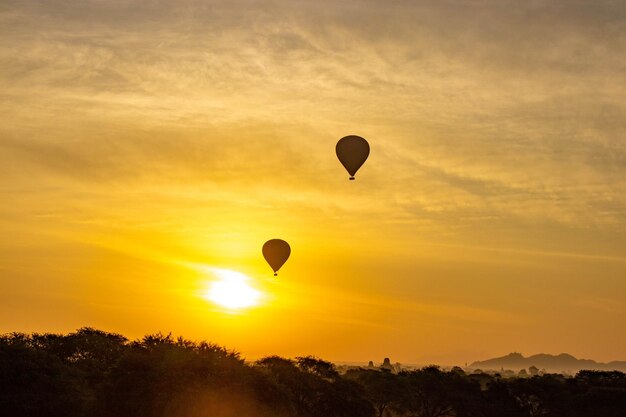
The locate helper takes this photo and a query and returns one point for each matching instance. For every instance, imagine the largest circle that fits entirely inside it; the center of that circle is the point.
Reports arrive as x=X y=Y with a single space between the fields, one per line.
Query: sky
x=148 y=145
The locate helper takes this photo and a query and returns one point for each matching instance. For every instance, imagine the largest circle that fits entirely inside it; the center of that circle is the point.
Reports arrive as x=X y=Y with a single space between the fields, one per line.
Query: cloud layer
x=178 y=125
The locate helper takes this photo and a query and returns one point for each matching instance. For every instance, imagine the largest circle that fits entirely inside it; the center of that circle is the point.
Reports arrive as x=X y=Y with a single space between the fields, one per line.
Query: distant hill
x=551 y=363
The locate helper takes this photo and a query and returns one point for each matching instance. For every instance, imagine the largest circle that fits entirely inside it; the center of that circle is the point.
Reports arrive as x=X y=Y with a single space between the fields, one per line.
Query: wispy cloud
x=495 y=125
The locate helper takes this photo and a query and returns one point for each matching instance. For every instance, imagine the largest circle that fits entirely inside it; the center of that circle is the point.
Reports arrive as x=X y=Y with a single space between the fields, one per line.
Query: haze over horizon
x=149 y=146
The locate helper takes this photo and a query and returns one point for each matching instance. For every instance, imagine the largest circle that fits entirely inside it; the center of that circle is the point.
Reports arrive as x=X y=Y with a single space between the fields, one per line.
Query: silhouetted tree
x=160 y=376
x=315 y=387
x=602 y=393
x=425 y=393
x=498 y=400
x=35 y=381
x=90 y=373
x=381 y=388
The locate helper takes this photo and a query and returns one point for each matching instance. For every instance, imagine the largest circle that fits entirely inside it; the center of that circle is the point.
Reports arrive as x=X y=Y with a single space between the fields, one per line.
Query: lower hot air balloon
x=276 y=252
x=352 y=152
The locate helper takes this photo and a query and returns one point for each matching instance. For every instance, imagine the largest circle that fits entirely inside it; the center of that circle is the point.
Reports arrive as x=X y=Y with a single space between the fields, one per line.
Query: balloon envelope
x=276 y=252
x=352 y=152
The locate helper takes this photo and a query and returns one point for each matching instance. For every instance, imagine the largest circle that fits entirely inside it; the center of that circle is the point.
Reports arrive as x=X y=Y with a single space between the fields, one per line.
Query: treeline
x=98 y=374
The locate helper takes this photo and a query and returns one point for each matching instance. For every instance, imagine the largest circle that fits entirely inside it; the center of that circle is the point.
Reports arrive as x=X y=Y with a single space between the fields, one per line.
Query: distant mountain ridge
x=551 y=363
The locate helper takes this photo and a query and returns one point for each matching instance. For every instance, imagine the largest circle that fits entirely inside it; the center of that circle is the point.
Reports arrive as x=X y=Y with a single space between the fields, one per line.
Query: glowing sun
x=232 y=290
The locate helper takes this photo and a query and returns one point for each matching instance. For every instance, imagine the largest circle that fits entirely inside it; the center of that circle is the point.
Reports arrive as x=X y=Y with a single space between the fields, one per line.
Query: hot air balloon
x=276 y=252
x=352 y=152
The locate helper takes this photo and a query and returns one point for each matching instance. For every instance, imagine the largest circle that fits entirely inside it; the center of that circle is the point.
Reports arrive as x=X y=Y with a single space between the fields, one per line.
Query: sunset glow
x=140 y=139
x=232 y=290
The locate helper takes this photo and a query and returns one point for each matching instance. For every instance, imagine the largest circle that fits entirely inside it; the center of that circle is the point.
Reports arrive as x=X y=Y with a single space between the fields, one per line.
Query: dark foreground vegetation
x=94 y=373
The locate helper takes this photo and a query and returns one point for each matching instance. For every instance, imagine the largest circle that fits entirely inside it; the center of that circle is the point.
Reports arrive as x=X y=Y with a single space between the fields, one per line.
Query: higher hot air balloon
x=276 y=252
x=352 y=152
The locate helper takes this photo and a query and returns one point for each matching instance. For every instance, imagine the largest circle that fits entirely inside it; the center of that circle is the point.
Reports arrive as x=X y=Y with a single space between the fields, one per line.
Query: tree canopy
x=95 y=373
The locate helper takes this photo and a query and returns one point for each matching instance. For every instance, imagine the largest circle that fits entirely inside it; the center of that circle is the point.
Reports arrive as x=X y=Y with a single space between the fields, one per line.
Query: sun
x=232 y=290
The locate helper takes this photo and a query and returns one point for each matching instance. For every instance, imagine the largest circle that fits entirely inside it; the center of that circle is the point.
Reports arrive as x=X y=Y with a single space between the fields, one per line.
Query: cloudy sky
x=146 y=143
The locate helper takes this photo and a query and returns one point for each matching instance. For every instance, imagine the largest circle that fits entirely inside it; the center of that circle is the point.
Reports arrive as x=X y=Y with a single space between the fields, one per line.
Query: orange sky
x=144 y=143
